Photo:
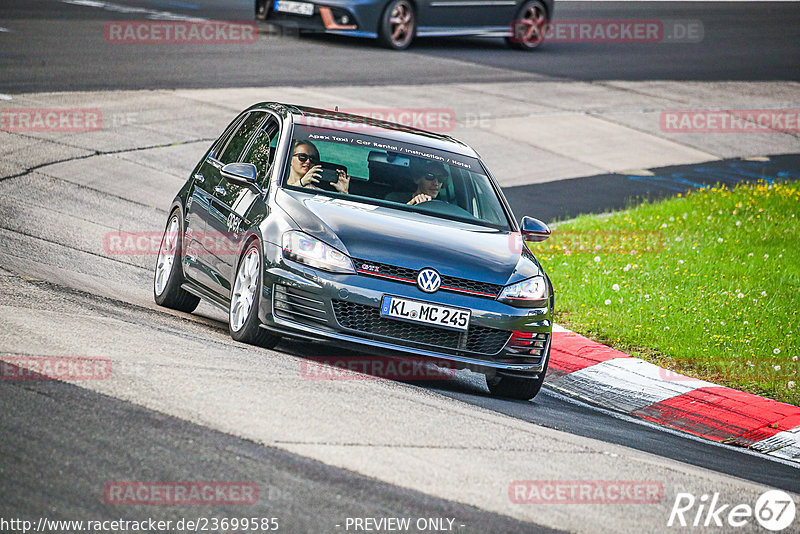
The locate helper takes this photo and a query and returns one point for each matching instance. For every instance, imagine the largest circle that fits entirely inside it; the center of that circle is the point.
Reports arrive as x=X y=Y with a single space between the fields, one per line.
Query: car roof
x=356 y=123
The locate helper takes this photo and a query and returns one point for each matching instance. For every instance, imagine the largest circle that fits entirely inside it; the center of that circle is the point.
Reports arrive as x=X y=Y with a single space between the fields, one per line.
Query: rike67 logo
x=774 y=510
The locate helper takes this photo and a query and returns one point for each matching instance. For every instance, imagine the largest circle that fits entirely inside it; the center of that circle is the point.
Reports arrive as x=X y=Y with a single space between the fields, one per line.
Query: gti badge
x=428 y=280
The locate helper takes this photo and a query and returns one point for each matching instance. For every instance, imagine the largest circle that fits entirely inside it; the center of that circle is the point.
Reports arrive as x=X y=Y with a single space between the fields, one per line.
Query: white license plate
x=425 y=312
x=298 y=8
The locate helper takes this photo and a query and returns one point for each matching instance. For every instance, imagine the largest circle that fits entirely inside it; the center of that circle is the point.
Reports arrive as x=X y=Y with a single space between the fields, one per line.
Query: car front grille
x=368 y=320
x=409 y=276
x=299 y=305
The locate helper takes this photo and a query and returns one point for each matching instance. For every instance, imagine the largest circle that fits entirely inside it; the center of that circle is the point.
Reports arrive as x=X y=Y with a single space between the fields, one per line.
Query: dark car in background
x=448 y=278
x=395 y=23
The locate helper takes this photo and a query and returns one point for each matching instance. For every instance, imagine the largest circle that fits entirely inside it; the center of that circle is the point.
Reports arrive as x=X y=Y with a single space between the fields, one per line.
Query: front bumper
x=326 y=18
x=345 y=309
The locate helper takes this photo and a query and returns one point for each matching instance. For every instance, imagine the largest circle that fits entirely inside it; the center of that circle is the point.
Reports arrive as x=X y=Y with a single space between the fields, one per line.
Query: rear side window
x=233 y=150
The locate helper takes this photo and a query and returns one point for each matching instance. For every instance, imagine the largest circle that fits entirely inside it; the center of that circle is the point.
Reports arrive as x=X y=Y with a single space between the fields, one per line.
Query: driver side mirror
x=534 y=230
x=240 y=173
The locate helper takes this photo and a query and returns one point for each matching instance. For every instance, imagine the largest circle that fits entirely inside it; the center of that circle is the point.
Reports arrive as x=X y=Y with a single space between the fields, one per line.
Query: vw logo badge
x=428 y=280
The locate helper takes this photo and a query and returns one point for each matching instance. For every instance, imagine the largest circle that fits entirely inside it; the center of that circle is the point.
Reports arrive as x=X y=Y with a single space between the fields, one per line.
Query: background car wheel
x=243 y=322
x=528 y=26
x=168 y=277
x=398 y=25
x=261 y=9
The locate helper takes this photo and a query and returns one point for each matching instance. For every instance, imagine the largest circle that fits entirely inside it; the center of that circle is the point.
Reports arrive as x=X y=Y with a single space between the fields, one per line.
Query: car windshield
x=389 y=173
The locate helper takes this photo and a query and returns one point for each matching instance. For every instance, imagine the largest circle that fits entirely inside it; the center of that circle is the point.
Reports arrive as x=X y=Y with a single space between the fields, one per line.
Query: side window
x=237 y=143
x=223 y=140
x=262 y=151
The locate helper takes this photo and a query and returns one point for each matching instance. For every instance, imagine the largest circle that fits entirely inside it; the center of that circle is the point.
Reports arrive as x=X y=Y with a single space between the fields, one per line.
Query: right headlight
x=529 y=293
x=310 y=251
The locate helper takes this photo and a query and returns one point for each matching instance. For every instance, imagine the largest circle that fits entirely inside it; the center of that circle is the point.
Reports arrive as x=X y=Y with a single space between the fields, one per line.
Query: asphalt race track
x=186 y=403
x=741 y=41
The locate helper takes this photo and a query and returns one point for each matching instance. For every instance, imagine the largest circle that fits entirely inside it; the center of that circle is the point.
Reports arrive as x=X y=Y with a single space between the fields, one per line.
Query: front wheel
x=515 y=387
x=398 y=25
x=168 y=277
x=527 y=29
x=243 y=322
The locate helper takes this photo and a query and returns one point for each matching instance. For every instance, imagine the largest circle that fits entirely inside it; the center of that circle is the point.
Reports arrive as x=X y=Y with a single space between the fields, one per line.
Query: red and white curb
x=612 y=379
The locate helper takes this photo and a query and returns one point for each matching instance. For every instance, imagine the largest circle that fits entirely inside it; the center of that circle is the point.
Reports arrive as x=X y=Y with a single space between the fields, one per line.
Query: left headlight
x=529 y=293
x=310 y=251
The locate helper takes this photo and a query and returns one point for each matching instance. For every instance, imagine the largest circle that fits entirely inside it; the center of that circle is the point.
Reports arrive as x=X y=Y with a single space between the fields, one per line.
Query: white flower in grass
x=720 y=240
x=776 y=351
x=794 y=358
x=790 y=384
x=740 y=295
x=597 y=259
x=738 y=223
x=615 y=287
x=777 y=367
x=766 y=256
x=608 y=302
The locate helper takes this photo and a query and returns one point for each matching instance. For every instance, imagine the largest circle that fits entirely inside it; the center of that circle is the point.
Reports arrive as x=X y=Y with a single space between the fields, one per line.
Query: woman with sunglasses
x=429 y=177
x=305 y=170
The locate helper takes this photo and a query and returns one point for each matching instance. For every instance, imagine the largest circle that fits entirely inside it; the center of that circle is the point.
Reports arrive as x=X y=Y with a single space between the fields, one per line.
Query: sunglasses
x=431 y=177
x=304 y=157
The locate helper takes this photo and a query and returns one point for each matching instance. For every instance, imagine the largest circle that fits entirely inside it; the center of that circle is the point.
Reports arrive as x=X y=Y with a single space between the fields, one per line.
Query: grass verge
x=706 y=284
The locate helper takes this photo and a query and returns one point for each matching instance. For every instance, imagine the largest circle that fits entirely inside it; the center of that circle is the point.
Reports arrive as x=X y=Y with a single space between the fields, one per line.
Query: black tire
x=528 y=26
x=261 y=9
x=250 y=331
x=172 y=295
x=398 y=25
x=517 y=387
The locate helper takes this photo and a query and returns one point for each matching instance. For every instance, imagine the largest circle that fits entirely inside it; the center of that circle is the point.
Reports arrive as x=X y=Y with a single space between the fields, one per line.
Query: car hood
x=412 y=240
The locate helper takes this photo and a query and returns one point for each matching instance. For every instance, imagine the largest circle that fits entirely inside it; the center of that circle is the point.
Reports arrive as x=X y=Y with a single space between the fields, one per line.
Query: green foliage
x=706 y=284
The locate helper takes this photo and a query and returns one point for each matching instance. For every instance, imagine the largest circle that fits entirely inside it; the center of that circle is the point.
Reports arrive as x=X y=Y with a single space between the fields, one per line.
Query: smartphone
x=330 y=172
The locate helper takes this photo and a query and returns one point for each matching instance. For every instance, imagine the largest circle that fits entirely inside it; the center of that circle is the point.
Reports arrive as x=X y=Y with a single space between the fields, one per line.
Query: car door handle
x=219 y=190
x=199 y=178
